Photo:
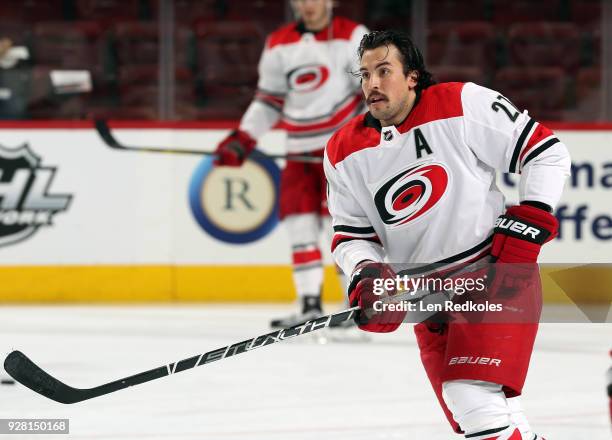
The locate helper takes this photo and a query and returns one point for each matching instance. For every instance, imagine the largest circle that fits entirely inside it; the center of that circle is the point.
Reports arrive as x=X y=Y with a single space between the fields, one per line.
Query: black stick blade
x=26 y=372
x=105 y=133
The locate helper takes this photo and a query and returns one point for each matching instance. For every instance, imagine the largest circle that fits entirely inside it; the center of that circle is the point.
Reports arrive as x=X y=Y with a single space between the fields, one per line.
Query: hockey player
x=413 y=180
x=305 y=87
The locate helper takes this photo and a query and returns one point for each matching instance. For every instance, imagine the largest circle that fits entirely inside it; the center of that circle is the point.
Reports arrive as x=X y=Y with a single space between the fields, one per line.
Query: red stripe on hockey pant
x=432 y=346
x=303 y=257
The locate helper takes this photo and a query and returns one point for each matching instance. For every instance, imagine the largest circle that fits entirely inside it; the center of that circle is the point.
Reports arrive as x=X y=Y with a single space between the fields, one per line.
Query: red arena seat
x=110 y=11
x=545 y=44
x=228 y=53
x=462 y=44
x=137 y=43
x=452 y=10
x=541 y=90
x=30 y=11
x=506 y=13
x=78 y=46
x=458 y=74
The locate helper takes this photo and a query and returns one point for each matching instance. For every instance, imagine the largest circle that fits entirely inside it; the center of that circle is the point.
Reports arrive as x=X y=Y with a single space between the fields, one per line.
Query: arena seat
x=588 y=94
x=137 y=43
x=540 y=90
x=111 y=11
x=79 y=45
x=228 y=53
x=458 y=74
x=585 y=12
x=452 y=10
x=544 y=44
x=507 y=13
x=30 y=11
x=462 y=44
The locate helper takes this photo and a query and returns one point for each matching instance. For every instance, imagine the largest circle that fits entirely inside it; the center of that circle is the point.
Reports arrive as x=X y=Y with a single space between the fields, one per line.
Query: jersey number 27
x=498 y=105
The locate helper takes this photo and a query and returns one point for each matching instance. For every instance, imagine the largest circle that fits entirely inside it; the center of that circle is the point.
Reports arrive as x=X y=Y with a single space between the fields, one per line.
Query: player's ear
x=413 y=79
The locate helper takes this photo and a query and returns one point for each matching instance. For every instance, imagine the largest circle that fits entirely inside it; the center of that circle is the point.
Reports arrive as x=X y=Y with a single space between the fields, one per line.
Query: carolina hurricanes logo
x=411 y=193
x=307 y=78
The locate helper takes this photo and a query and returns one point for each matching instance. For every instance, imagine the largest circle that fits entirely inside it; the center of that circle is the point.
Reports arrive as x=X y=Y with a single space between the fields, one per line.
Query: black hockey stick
x=109 y=139
x=26 y=372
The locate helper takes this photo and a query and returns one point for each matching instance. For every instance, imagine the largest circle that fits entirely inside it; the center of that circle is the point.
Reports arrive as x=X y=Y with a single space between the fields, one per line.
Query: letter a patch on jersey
x=411 y=193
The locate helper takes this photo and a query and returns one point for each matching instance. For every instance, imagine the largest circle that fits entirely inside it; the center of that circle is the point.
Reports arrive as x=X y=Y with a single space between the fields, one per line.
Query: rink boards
x=80 y=221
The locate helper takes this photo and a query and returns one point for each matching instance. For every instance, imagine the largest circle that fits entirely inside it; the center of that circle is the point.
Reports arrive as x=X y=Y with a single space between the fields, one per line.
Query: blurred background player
x=305 y=87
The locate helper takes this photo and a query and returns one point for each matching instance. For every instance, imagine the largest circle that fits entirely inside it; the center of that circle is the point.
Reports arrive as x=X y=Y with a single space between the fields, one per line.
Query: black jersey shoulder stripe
x=345 y=239
x=545 y=146
x=458 y=257
x=487 y=432
x=519 y=144
x=354 y=229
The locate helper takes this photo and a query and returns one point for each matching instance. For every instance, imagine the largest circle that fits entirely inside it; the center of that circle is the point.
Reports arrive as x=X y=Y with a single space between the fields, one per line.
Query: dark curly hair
x=411 y=55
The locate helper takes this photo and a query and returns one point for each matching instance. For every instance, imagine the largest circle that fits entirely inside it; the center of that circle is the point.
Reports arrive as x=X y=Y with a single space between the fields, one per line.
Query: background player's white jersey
x=425 y=190
x=305 y=84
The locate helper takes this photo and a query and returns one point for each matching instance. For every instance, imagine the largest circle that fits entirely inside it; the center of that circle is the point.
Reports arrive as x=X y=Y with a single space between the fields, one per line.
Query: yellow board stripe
x=165 y=283
x=154 y=283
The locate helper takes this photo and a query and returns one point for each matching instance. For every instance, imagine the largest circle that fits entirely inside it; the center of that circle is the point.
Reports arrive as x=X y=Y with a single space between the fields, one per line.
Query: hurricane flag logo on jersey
x=307 y=78
x=411 y=193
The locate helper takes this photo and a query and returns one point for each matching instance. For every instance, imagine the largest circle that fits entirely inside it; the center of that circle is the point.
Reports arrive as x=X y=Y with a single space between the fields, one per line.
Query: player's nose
x=373 y=83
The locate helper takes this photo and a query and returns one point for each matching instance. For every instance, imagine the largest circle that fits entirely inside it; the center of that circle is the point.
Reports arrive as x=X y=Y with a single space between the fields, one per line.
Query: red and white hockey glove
x=233 y=150
x=517 y=239
x=362 y=292
x=520 y=233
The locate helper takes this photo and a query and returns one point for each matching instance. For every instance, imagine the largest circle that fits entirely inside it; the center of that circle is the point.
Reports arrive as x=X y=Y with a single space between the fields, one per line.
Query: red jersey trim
x=540 y=133
x=351 y=138
x=342 y=29
x=437 y=102
x=285 y=35
x=440 y=101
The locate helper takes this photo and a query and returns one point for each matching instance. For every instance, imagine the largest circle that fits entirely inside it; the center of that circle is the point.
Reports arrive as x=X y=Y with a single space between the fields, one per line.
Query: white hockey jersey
x=424 y=191
x=305 y=84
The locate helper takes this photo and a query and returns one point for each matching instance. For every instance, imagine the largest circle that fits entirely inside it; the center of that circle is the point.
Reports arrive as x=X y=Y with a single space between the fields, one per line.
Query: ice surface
x=295 y=390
